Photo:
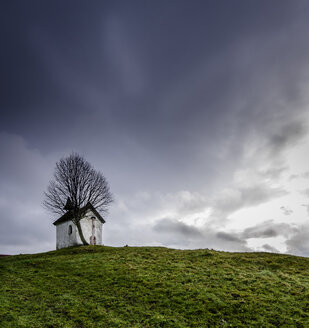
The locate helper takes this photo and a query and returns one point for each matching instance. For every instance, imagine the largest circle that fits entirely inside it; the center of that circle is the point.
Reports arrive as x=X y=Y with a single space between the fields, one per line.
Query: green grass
x=98 y=286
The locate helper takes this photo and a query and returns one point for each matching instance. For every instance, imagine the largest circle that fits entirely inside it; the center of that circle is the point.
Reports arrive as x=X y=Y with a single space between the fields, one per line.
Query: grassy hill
x=99 y=286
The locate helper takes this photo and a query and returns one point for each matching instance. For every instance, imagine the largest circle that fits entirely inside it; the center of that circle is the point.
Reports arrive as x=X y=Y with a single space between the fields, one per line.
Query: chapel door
x=93 y=238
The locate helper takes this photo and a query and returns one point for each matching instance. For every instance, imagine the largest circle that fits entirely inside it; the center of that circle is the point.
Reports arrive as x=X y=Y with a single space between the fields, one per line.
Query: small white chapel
x=67 y=233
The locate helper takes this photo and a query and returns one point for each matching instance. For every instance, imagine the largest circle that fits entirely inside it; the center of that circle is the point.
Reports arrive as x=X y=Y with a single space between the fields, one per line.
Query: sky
x=196 y=112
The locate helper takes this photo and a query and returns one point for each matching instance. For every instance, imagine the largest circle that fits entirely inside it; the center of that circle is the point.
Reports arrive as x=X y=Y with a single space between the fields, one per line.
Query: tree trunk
x=80 y=231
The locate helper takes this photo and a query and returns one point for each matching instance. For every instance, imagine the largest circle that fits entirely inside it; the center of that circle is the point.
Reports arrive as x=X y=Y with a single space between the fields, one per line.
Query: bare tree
x=75 y=183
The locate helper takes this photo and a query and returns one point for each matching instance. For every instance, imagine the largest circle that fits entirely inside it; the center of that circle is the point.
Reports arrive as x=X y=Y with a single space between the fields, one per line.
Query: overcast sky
x=195 y=111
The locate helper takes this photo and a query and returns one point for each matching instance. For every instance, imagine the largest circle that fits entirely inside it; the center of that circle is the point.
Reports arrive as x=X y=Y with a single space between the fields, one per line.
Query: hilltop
x=97 y=286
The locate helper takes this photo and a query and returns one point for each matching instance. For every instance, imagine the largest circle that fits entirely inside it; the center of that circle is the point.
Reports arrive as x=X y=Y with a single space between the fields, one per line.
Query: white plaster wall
x=86 y=224
x=64 y=239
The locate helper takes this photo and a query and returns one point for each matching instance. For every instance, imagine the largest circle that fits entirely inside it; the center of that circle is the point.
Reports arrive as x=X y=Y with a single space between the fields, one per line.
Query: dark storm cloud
x=286 y=135
x=179 y=58
x=179 y=234
x=269 y=248
x=168 y=98
x=229 y=237
x=268 y=229
x=178 y=227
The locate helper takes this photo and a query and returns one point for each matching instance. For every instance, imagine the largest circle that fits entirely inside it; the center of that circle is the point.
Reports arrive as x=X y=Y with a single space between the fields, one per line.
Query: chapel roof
x=69 y=214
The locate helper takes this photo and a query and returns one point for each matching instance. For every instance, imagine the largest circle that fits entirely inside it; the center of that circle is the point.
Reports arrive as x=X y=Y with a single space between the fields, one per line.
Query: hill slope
x=99 y=286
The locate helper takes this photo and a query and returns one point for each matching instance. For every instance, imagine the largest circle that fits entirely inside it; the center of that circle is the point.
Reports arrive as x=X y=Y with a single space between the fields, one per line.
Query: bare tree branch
x=75 y=179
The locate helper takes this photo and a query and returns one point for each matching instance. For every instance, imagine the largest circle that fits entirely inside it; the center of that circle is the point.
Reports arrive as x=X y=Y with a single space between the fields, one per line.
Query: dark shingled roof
x=69 y=214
